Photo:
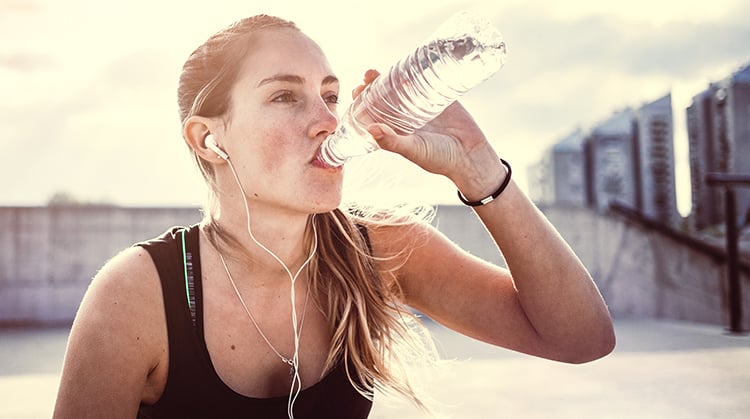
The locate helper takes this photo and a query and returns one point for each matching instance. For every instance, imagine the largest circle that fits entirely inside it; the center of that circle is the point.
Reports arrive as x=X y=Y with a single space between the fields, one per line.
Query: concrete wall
x=641 y=273
x=49 y=255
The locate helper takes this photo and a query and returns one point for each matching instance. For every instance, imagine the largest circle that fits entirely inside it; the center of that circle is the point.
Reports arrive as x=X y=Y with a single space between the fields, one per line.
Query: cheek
x=274 y=150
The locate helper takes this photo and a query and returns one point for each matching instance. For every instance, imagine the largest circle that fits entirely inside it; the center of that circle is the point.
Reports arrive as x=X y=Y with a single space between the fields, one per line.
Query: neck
x=272 y=238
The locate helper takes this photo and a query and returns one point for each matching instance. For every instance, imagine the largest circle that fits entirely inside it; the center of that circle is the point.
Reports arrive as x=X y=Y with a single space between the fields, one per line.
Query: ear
x=195 y=132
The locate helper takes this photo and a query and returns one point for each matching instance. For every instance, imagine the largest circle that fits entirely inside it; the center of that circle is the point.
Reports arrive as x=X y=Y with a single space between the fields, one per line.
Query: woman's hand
x=452 y=145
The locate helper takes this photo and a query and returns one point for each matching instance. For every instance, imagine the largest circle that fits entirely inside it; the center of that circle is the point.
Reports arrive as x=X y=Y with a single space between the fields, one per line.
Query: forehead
x=284 y=51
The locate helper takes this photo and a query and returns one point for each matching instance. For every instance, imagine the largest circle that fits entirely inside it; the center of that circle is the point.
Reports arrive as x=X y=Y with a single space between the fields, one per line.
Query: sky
x=88 y=102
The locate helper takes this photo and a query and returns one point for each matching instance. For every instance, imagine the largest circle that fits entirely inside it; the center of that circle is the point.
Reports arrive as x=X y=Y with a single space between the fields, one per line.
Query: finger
x=371 y=75
x=357 y=90
x=387 y=138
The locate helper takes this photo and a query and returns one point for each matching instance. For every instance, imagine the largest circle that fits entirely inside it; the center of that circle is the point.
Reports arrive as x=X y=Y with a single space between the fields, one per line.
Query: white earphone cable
x=296 y=386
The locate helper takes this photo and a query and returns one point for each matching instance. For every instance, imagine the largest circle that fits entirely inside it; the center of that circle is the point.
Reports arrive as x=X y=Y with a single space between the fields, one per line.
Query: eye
x=332 y=98
x=285 y=97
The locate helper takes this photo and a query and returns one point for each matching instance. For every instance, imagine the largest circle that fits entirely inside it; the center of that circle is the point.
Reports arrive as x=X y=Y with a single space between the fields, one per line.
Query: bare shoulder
x=125 y=294
x=118 y=339
x=128 y=280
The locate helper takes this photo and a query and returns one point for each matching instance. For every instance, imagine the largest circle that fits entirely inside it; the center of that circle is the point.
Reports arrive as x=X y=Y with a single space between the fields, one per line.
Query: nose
x=324 y=121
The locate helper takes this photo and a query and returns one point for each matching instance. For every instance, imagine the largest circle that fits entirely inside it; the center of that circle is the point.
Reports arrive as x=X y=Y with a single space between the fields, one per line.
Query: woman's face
x=283 y=106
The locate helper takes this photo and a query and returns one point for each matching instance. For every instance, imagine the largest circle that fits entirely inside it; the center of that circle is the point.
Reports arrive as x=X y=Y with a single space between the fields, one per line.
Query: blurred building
x=706 y=155
x=718 y=122
x=655 y=194
x=609 y=159
x=627 y=158
x=559 y=177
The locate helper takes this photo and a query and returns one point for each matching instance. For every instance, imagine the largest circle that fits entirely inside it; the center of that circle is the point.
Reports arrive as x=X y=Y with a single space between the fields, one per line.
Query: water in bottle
x=462 y=53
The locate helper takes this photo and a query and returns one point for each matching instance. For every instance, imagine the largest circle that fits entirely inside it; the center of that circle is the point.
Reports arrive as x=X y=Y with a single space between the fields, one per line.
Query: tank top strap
x=175 y=255
x=176 y=259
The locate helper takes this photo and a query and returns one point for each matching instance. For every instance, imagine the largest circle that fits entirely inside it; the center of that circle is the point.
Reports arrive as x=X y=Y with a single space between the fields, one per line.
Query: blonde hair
x=373 y=334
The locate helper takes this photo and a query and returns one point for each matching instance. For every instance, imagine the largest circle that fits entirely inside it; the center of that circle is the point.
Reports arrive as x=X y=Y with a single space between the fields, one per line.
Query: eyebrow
x=291 y=78
x=329 y=80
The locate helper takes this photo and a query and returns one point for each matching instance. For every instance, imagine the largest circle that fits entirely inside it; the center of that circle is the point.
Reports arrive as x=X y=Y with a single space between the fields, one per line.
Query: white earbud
x=213 y=146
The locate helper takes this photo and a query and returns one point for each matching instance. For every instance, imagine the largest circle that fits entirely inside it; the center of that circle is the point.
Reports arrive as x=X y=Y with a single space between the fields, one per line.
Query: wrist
x=481 y=193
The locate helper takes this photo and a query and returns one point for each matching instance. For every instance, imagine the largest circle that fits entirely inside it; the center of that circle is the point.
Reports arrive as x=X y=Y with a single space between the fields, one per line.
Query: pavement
x=660 y=370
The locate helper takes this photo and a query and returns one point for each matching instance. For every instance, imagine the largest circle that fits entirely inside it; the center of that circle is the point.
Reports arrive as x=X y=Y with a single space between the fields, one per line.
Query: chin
x=325 y=196
x=325 y=202
x=323 y=207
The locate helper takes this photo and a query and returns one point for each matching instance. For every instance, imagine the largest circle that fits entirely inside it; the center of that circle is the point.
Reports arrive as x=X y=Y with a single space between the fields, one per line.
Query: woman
x=279 y=304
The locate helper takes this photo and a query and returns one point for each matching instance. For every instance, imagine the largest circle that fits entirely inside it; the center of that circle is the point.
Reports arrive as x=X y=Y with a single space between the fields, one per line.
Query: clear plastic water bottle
x=462 y=53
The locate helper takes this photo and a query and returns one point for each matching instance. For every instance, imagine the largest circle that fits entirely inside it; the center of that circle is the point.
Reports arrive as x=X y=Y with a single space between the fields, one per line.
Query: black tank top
x=193 y=388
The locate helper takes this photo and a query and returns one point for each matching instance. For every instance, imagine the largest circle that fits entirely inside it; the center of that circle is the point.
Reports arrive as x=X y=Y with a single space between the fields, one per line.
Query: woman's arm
x=116 y=353
x=545 y=304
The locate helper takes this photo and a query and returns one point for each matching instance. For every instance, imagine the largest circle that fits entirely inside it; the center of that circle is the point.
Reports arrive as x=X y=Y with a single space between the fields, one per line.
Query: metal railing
x=734 y=290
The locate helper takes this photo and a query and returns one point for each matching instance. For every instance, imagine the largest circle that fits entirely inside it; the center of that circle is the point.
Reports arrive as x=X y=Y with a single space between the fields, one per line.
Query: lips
x=322 y=165
x=318 y=162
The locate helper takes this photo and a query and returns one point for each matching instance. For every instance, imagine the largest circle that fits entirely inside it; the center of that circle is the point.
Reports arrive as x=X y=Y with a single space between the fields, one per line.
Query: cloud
x=142 y=69
x=570 y=71
x=139 y=82
x=102 y=87
x=18 y=6
x=609 y=43
x=25 y=62
x=687 y=50
x=110 y=130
